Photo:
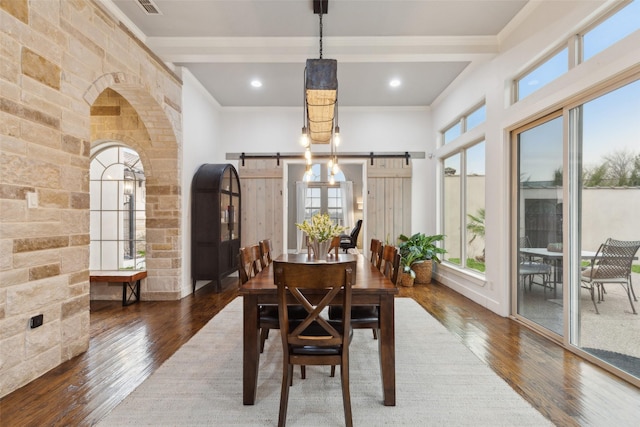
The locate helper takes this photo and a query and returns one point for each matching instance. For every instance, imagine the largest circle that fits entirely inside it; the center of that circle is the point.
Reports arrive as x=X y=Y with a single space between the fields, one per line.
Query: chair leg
x=303 y=372
x=375 y=333
x=633 y=308
x=287 y=374
x=593 y=300
x=333 y=370
x=264 y=334
x=346 y=396
x=632 y=292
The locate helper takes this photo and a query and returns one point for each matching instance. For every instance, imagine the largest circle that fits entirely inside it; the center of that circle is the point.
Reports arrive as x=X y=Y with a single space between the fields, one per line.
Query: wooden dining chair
x=315 y=340
x=390 y=264
x=376 y=252
x=265 y=252
x=368 y=316
x=335 y=245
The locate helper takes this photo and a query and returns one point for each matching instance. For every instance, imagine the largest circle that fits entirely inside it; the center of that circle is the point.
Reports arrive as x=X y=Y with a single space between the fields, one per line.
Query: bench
x=130 y=280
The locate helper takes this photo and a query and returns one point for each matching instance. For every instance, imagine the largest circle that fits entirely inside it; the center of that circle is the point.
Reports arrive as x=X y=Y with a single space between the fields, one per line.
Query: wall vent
x=149 y=7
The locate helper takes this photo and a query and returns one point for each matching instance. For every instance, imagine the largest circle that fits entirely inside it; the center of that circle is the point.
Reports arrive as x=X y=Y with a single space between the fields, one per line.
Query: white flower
x=320 y=228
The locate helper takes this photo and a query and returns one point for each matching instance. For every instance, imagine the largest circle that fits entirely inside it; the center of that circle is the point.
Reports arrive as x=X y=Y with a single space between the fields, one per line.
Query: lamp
x=320 y=113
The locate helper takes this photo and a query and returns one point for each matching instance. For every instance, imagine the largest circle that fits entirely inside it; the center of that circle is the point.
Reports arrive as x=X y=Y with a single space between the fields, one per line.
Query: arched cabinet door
x=215 y=223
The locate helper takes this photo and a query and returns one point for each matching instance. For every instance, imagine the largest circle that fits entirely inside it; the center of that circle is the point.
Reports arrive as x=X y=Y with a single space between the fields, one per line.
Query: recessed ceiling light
x=256 y=83
x=395 y=83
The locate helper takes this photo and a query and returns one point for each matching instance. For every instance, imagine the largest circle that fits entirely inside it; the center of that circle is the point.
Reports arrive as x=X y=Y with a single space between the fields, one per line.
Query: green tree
x=476 y=226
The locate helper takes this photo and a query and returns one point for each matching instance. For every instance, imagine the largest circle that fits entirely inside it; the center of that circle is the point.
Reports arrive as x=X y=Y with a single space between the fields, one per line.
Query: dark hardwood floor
x=129 y=343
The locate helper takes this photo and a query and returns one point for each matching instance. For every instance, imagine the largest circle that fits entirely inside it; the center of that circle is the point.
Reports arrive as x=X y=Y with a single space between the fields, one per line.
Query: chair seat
x=270 y=313
x=359 y=313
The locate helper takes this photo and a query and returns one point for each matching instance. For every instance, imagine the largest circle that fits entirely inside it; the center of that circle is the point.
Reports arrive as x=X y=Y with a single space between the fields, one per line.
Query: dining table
x=371 y=288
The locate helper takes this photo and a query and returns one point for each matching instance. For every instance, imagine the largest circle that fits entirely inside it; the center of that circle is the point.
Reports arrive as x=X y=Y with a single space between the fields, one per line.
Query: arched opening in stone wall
x=125 y=115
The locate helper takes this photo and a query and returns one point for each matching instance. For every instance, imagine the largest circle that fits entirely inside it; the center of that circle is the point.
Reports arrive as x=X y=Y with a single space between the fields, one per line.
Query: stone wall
x=56 y=59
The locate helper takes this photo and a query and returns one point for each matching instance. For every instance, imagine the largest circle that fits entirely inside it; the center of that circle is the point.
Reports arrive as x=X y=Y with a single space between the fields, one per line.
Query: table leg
x=134 y=289
x=251 y=355
x=387 y=349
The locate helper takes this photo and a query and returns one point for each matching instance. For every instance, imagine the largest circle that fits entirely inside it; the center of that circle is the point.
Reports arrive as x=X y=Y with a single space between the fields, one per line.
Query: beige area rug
x=439 y=382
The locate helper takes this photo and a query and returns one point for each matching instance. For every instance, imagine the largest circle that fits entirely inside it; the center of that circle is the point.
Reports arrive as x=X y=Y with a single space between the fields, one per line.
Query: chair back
x=389 y=253
x=614 y=259
x=335 y=245
x=265 y=252
x=355 y=232
x=249 y=263
x=376 y=252
x=324 y=283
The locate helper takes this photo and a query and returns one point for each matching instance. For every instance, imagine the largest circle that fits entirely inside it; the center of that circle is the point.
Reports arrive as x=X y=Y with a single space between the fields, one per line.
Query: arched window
x=118 y=236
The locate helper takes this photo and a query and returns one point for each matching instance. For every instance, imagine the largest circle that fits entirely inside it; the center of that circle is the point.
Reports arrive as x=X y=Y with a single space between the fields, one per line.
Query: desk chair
x=350 y=241
x=315 y=340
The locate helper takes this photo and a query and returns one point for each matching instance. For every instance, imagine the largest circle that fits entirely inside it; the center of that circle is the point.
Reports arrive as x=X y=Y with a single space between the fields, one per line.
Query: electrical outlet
x=36 y=321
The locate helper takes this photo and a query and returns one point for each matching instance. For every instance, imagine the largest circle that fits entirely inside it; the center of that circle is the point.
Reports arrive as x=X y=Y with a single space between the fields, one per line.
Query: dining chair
x=249 y=261
x=265 y=252
x=335 y=245
x=388 y=266
x=376 y=252
x=368 y=316
x=315 y=340
x=611 y=264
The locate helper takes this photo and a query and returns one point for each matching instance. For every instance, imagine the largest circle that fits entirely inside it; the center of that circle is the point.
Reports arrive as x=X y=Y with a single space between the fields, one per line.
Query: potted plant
x=420 y=252
x=407 y=257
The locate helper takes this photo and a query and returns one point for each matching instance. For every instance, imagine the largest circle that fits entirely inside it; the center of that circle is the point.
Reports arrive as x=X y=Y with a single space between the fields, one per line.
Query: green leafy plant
x=420 y=247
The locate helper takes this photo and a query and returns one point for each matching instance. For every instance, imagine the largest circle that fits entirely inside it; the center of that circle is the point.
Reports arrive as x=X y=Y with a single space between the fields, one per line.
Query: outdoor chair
x=611 y=264
x=529 y=267
x=315 y=340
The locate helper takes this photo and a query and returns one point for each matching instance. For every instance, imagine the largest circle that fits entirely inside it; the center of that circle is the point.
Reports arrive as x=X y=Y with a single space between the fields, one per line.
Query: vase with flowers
x=320 y=230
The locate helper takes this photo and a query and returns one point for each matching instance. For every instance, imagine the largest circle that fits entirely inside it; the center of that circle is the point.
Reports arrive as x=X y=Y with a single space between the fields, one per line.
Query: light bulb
x=336 y=136
x=335 y=169
x=330 y=164
x=307 y=154
x=332 y=180
x=304 y=138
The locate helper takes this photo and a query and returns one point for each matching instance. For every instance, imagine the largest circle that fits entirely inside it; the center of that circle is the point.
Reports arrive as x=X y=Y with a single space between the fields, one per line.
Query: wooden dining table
x=371 y=288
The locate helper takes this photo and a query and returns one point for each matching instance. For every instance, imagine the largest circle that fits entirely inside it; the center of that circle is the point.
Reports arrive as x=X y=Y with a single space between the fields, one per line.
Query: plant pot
x=405 y=279
x=423 y=270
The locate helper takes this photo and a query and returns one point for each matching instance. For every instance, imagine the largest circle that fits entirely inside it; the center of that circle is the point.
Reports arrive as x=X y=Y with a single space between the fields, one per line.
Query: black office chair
x=351 y=240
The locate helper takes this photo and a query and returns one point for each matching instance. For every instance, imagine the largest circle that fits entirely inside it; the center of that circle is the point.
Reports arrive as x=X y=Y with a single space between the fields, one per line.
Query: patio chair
x=611 y=264
x=530 y=267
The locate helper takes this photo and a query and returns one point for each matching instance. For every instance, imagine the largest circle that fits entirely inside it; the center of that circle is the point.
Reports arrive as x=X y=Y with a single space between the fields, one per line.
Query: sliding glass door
x=578 y=187
x=539 y=289
x=607 y=206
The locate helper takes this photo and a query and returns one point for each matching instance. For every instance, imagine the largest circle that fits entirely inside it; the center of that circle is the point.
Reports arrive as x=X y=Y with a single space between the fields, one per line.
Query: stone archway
x=122 y=110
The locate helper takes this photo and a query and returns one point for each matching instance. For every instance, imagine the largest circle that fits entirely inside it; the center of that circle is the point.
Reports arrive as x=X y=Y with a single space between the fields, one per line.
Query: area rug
x=439 y=382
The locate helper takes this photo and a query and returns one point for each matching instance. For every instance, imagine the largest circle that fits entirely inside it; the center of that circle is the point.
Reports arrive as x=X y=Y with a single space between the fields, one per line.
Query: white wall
x=202 y=144
x=270 y=130
x=522 y=46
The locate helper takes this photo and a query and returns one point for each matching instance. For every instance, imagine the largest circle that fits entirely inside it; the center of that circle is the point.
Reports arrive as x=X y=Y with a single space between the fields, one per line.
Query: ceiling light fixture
x=320 y=113
x=395 y=83
x=256 y=83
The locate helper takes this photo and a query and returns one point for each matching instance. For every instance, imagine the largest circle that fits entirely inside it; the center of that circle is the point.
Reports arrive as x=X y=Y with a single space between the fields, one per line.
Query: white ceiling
x=227 y=43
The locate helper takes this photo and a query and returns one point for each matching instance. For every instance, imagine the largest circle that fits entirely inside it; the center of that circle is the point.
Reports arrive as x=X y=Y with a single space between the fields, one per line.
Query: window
x=464 y=123
x=544 y=73
x=613 y=29
x=464 y=207
x=117 y=212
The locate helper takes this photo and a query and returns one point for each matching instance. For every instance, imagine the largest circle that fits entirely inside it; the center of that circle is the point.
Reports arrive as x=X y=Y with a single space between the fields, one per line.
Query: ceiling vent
x=149 y=7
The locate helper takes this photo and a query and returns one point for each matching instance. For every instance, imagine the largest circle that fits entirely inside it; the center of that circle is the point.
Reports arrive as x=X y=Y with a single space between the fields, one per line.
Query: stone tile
x=40 y=69
x=40 y=243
